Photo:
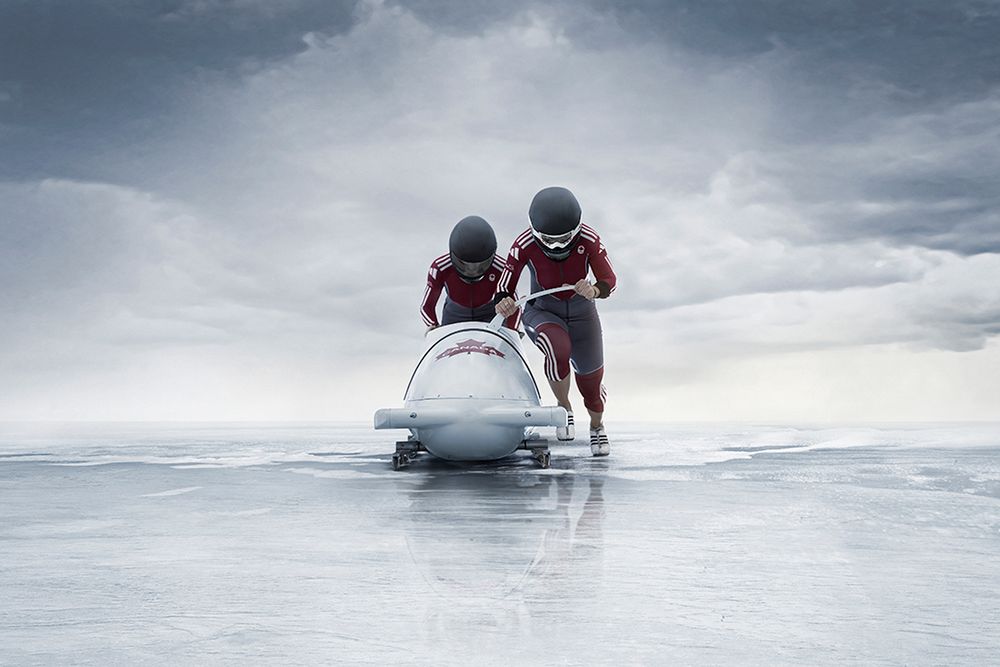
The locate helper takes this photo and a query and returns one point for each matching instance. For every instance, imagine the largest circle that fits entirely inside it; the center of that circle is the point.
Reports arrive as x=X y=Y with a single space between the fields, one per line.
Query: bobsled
x=472 y=397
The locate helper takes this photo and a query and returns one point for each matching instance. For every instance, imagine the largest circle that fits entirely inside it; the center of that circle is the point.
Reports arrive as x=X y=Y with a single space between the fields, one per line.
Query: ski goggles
x=471 y=270
x=556 y=241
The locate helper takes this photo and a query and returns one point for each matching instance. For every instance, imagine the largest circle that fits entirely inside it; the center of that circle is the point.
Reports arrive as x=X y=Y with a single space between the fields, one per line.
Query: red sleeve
x=600 y=264
x=428 y=307
x=507 y=285
x=515 y=319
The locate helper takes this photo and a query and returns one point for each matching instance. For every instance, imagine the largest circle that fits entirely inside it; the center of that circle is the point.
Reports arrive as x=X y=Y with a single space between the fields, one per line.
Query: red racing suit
x=466 y=301
x=588 y=254
x=565 y=326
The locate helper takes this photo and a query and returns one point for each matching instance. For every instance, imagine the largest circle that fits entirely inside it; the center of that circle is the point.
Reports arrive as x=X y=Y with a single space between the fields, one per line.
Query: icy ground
x=167 y=544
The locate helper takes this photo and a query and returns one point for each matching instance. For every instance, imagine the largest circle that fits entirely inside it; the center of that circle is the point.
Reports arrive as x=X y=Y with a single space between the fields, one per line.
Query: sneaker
x=599 y=445
x=567 y=432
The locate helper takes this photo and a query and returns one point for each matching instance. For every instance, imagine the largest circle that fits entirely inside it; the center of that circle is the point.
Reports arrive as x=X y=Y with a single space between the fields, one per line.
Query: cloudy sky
x=225 y=209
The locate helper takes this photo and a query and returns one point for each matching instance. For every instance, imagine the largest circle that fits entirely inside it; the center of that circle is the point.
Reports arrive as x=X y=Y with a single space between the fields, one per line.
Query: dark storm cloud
x=928 y=179
x=464 y=16
x=924 y=48
x=80 y=81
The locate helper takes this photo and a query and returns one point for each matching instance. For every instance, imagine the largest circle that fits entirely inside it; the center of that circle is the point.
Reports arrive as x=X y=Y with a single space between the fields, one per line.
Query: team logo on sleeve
x=580 y=250
x=468 y=347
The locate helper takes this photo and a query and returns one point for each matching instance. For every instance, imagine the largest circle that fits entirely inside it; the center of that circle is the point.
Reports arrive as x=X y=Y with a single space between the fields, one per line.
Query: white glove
x=506 y=306
x=585 y=289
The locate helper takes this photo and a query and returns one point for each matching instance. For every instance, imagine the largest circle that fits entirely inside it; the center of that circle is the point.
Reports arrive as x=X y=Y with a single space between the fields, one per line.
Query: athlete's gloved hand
x=585 y=289
x=506 y=306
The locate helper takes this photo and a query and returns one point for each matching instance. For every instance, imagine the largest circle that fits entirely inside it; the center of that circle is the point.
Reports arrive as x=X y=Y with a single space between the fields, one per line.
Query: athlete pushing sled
x=559 y=249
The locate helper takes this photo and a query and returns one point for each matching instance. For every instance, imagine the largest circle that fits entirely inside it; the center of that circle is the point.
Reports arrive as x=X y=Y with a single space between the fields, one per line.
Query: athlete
x=559 y=249
x=468 y=273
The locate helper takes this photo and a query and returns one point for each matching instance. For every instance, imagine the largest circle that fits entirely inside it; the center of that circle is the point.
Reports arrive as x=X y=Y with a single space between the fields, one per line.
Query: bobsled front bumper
x=470 y=414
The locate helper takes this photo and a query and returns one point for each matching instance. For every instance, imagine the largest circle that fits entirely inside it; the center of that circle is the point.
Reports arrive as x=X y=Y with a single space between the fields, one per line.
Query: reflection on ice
x=491 y=548
x=690 y=544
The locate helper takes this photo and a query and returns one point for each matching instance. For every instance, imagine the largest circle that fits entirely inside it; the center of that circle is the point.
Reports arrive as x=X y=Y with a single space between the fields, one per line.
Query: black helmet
x=555 y=221
x=472 y=245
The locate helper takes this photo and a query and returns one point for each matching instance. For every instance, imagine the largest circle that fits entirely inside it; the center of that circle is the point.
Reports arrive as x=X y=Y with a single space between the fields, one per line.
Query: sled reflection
x=497 y=546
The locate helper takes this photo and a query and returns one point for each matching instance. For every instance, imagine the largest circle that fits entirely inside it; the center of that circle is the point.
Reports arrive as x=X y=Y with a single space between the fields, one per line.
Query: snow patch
x=171 y=492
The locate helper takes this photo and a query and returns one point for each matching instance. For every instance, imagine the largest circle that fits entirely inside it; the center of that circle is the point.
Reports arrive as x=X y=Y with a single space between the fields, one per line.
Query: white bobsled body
x=472 y=396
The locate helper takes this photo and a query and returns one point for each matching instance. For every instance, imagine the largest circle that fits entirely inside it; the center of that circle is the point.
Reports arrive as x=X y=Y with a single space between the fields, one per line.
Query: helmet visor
x=556 y=241
x=471 y=270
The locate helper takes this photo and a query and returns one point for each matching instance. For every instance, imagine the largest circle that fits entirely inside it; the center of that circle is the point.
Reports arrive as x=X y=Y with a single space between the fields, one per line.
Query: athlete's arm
x=428 y=307
x=514 y=320
x=507 y=286
x=604 y=272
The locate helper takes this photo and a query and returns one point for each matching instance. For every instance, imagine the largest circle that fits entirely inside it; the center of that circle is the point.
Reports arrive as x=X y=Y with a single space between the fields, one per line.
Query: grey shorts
x=578 y=317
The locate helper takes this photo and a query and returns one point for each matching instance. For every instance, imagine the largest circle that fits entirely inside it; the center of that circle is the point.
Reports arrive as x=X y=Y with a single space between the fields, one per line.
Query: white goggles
x=558 y=241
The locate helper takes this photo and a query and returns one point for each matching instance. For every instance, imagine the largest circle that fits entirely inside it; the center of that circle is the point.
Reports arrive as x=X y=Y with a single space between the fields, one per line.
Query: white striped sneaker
x=567 y=432
x=599 y=445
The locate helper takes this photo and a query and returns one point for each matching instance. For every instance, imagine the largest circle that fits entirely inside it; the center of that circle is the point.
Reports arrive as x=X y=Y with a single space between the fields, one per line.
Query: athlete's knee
x=554 y=343
x=592 y=389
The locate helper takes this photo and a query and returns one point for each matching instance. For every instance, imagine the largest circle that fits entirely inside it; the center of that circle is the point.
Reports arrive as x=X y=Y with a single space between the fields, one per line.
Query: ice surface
x=288 y=544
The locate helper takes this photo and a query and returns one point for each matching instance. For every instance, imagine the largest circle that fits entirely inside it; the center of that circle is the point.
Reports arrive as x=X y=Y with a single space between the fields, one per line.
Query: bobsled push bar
x=497 y=321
